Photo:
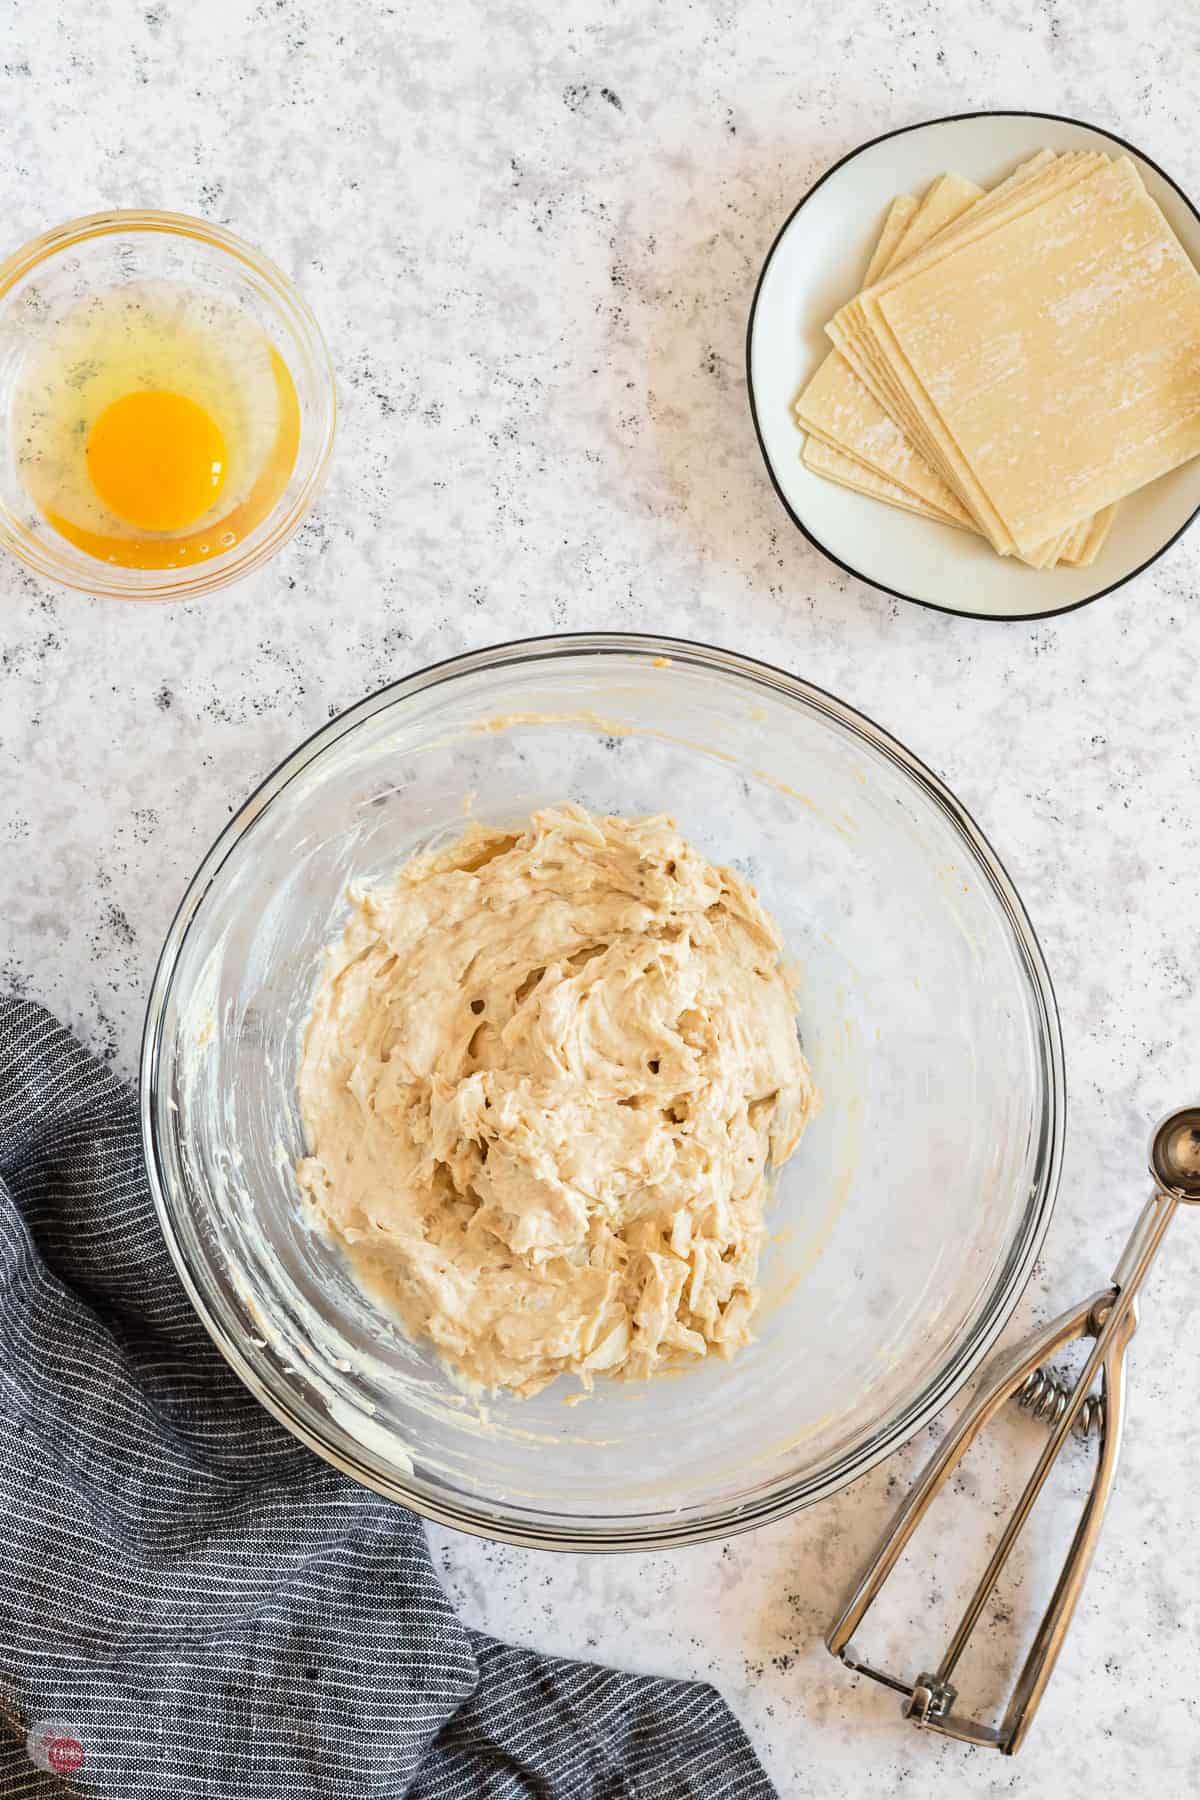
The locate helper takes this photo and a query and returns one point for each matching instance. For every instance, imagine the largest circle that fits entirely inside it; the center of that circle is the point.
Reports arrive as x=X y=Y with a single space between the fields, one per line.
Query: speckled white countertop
x=531 y=233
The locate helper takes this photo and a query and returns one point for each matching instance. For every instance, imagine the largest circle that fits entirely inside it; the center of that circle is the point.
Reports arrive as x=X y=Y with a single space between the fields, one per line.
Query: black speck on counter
x=577 y=92
x=116 y=922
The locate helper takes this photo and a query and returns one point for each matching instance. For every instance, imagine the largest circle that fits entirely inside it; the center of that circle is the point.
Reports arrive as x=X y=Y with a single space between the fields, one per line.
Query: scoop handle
x=1109 y=1317
x=1108 y=1322
x=1048 y=1641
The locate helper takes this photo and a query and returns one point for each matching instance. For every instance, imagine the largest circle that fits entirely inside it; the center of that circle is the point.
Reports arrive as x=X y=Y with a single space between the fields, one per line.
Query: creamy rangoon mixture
x=543 y=1078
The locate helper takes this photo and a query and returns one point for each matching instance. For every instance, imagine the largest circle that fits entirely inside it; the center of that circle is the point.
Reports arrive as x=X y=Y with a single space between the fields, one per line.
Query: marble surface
x=531 y=234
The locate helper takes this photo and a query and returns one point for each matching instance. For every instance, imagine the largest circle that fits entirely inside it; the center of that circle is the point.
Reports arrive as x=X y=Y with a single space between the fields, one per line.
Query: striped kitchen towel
x=194 y=1605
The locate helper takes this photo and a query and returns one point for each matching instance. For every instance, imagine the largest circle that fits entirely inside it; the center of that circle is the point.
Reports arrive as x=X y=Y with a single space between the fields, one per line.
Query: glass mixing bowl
x=903 y=1229
x=51 y=277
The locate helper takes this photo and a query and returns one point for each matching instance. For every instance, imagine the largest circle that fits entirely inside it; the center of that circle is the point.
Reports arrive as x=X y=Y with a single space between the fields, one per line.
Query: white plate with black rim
x=817 y=262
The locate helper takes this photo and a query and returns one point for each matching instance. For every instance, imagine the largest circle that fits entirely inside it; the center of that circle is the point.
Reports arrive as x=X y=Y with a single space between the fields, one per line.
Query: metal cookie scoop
x=1111 y=1318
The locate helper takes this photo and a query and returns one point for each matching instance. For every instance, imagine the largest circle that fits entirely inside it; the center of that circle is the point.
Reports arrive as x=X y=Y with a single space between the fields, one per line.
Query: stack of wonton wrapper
x=1018 y=360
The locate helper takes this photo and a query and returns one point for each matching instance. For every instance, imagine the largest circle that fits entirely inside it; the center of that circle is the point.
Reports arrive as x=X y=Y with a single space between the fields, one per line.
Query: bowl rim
x=292 y=306
x=600 y=1532
x=953 y=612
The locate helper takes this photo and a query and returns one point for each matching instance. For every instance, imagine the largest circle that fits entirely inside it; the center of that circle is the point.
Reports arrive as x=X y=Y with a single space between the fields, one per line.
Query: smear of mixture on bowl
x=545 y=1077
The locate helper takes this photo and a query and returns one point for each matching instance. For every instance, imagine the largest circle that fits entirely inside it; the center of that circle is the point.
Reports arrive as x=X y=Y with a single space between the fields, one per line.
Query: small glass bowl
x=112 y=249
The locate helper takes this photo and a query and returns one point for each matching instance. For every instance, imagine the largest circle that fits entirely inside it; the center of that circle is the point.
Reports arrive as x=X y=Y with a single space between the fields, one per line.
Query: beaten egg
x=156 y=426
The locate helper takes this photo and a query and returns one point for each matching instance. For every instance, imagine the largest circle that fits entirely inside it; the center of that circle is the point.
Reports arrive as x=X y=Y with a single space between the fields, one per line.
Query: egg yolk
x=156 y=459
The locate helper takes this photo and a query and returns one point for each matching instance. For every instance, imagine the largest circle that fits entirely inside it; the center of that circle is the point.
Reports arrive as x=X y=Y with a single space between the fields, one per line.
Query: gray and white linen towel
x=191 y=1603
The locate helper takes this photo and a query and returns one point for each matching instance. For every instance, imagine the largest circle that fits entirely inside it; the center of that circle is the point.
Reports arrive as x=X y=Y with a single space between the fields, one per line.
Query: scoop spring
x=1045 y=1394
